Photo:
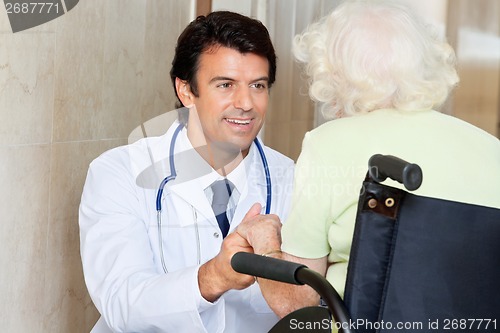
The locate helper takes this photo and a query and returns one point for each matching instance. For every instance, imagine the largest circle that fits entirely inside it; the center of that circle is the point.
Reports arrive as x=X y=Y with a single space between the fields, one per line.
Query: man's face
x=232 y=98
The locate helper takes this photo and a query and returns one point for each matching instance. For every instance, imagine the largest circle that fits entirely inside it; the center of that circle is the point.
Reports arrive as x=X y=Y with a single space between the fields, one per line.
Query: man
x=159 y=260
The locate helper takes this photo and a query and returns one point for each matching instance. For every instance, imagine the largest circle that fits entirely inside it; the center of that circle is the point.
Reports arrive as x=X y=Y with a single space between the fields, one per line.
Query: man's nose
x=243 y=99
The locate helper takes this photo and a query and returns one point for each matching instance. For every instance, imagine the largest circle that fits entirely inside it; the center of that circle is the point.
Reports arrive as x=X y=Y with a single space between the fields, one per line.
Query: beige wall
x=474 y=30
x=69 y=90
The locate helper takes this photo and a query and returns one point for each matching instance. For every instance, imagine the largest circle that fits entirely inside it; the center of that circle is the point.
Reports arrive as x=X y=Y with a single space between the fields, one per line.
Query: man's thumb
x=254 y=210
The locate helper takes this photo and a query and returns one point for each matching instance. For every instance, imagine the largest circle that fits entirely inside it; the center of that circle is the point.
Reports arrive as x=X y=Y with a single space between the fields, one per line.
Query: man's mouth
x=238 y=121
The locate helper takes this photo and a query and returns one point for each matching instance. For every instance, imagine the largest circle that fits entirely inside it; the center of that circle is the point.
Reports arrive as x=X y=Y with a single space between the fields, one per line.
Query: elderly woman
x=380 y=73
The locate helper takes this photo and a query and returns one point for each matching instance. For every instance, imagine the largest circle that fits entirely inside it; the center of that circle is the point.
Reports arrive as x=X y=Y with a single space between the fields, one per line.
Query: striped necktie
x=222 y=190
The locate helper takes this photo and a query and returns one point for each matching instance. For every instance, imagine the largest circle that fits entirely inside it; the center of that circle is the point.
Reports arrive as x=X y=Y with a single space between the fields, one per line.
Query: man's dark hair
x=220 y=28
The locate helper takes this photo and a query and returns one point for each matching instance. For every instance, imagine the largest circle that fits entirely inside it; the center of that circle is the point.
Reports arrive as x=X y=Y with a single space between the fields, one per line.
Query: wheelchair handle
x=293 y=273
x=266 y=267
x=382 y=166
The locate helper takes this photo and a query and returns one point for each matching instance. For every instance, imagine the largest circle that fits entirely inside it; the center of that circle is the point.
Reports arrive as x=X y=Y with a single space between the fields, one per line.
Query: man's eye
x=224 y=85
x=259 y=85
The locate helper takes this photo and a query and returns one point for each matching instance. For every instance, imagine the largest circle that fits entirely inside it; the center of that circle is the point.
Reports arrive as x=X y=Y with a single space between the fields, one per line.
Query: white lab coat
x=120 y=247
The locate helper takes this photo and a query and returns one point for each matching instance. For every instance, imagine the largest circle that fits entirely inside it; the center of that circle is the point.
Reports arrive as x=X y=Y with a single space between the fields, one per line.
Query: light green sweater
x=459 y=161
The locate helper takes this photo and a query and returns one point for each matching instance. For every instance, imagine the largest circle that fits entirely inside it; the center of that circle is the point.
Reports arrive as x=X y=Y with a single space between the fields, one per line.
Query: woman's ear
x=184 y=92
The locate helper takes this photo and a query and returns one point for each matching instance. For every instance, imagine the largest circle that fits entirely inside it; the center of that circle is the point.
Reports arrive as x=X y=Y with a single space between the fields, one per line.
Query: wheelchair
x=417 y=264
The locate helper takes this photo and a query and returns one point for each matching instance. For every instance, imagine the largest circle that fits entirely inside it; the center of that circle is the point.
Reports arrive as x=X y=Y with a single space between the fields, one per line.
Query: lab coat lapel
x=191 y=194
x=186 y=187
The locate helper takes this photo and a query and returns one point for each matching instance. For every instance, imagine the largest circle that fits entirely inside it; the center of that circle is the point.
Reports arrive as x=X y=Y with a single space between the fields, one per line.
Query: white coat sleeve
x=118 y=263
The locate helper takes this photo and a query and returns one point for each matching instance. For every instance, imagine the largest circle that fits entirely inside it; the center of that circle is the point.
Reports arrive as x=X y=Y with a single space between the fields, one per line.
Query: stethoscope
x=173 y=175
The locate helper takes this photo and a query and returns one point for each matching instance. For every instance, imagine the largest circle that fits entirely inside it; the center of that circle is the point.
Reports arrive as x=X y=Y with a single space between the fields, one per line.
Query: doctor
x=167 y=268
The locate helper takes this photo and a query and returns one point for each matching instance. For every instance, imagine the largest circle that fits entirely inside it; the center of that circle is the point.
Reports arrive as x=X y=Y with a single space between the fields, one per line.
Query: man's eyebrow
x=225 y=78
x=263 y=78
x=221 y=78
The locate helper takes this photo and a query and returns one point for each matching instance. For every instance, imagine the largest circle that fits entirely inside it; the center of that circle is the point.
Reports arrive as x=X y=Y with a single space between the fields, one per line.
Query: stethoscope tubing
x=173 y=172
x=267 y=173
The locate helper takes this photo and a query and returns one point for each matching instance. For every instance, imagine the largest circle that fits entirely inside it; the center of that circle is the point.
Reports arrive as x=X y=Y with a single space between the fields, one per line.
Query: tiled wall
x=69 y=90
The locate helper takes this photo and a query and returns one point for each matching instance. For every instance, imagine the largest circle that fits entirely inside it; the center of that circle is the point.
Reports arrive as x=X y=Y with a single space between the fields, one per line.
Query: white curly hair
x=370 y=54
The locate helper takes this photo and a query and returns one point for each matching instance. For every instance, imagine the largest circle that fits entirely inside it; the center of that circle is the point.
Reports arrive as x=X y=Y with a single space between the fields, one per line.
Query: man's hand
x=216 y=276
x=256 y=234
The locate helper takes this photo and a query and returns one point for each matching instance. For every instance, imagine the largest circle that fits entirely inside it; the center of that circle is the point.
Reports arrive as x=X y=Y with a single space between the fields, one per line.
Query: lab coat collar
x=192 y=174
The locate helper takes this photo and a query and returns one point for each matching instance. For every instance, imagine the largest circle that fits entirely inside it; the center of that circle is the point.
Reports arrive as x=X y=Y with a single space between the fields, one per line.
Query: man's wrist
x=208 y=282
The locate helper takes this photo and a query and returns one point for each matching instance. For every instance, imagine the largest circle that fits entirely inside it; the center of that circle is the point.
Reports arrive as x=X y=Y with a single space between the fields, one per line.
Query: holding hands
x=262 y=232
x=258 y=234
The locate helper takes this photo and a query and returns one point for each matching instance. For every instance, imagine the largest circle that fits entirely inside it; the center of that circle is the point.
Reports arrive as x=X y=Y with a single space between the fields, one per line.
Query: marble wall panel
x=26 y=87
x=123 y=67
x=24 y=203
x=69 y=90
x=163 y=20
x=79 y=73
x=67 y=303
x=4 y=22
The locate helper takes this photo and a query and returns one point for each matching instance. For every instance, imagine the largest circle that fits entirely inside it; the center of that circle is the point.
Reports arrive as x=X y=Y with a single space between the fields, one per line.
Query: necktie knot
x=222 y=190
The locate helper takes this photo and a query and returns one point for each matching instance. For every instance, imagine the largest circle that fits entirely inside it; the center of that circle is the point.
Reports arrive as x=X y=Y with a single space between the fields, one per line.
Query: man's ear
x=184 y=92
